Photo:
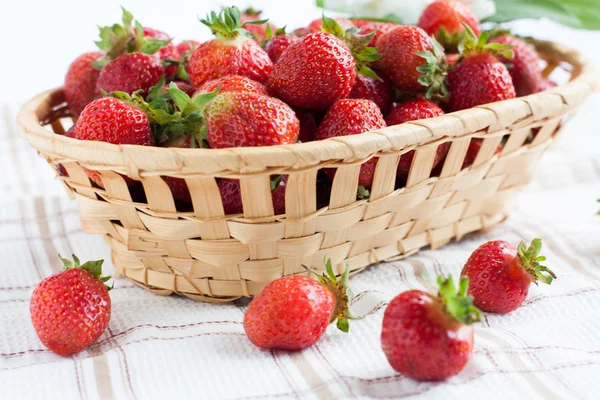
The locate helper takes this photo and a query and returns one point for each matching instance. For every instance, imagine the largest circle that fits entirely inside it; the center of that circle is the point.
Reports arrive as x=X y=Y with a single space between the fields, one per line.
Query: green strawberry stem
x=227 y=23
x=94 y=268
x=358 y=45
x=457 y=303
x=340 y=289
x=433 y=72
x=471 y=44
x=531 y=261
x=116 y=40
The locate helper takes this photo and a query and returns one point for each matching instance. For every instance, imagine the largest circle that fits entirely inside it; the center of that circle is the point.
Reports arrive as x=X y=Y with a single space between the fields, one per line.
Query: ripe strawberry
x=427 y=337
x=317 y=25
x=479 y=78
x=379 y=92
x=524 y=67
x=130 y=72
x=320 y=68
x=444 y=20
x=379 y=29
x=500 y=274
x=473 y=150
x=114 y=121
x=257 y=30
x=231 y=194
x=80 y=81
x=308 y=125
x=278 y=44
x=352 y=117
x=412 y=110
x=399 y=60
x=187 y=45
x=233 y=83
x=242 y=119
x=545 y=84
x=293 y=312
x=70 y=309
x=452 y=59
x=232 y=52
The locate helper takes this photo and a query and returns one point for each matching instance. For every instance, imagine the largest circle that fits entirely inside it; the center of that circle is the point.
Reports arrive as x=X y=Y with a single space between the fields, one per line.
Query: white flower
x=407 y=11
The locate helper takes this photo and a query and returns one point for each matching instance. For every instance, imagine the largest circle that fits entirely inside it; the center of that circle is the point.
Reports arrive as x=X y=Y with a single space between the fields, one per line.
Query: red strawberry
x=187 y=45
x=320 y=68
x=379 y=92
x=278 y=44
x=317 y=24
x=168 y=52
x=293 y=312
x=241 y=119
x=233 y=83
x=301 y=32
x=258 y=31
x=398 y=59
x=178 y=187
x=130 y=72
x=352 y=117
x=380 y=28
x=473 y=150
x=524 y=67
x=70 y=309
x=412 y=110
x=231 y=194
x=444 y=19
x=232 y=52
x=500 y=274
x=479 y=77
x=545 y=84
x=308 y=126
x=80 y=81
x=113 y=121
x=427 y=337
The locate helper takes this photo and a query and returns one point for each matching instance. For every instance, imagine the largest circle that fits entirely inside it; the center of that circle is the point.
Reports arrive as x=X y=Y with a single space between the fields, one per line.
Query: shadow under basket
x=201 y=253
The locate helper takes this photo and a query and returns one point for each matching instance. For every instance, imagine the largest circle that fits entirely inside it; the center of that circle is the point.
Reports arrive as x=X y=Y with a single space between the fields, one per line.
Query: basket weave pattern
x=206 y=255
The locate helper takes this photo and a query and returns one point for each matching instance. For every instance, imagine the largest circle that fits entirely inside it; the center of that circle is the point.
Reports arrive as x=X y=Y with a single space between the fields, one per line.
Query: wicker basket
x=208 y=256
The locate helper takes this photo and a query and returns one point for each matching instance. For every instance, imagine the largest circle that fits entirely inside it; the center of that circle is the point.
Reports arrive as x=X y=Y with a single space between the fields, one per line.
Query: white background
x=41 y=38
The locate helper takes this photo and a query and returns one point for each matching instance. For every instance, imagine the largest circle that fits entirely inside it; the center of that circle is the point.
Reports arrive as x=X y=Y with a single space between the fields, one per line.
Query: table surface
x=163 y=347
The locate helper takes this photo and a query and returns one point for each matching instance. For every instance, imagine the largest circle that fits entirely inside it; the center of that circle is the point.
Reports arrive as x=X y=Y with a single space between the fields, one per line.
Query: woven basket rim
x=399 y=138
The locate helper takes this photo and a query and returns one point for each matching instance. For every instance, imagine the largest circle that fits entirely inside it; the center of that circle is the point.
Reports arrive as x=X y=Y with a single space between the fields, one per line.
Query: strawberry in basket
x=446 y=20
x=131 y=59
x=430 y=337
x=232 y=52
x=321 y=67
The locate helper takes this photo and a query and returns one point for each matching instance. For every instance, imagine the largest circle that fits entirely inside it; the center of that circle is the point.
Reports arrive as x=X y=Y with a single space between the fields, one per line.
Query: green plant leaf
x=581 y=14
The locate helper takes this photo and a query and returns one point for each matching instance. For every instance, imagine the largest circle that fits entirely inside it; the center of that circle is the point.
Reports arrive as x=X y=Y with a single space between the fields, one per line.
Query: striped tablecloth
x=171 y=347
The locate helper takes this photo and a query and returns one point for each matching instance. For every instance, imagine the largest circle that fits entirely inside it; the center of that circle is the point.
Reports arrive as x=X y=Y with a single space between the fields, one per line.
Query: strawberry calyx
x=172 y=114
x=531 y=261
x=94 y=268
x=358 y=45
x=275 y=181
x=473 y=44
x=340 y=289
x=433 y=72
x=457 y=303
x=227 y=25
x=118 y=39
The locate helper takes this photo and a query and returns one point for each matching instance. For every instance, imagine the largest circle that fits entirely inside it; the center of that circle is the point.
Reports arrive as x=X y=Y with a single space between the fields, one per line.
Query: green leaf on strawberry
x=456 y=302
x=94 y=268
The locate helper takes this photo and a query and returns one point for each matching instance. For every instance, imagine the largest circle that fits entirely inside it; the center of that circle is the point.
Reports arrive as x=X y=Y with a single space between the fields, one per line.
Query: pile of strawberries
x=424 y=336
x=256 y=85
